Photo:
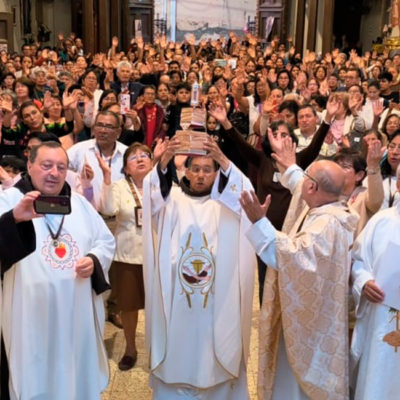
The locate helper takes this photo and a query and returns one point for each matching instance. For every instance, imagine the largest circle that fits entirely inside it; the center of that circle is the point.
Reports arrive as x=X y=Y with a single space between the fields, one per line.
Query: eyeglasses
x=107 y=127
x=197 y=169
x=311 y=179
x=393 y=147
x=136 y=157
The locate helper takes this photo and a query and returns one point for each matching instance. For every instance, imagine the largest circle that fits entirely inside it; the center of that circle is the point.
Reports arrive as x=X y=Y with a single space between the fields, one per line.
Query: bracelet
x=373 y=171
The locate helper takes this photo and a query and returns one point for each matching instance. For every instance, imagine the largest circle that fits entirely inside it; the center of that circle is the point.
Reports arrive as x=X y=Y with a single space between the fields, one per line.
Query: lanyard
x=134 y=194
x=53 y=235
x=109 y=159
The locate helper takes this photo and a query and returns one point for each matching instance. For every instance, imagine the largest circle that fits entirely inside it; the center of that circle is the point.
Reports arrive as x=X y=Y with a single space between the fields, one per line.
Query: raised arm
x=248 y=152
x=310 y=153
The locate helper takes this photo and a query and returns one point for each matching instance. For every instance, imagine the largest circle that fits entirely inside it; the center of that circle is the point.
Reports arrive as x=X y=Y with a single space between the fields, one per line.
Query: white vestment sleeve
x=103 y=245
x=362 y=269
x=157 y=199
x=237 y=182
x=291 y=177
x=262 y=236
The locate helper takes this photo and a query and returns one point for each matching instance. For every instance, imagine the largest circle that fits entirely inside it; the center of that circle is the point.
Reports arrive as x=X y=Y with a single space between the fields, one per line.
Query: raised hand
x=163 y=42
x=377 y=108
x=47 y=100
x=6 y=105
x=375 y=154
x=272 y=76
x=269 y=106
x=87 y=173
x=218 y=111
x=68 y=101
x=284 y=151
x=192 y=40
x=159 y=149
x=355 y=102
x=105 y=168
x=170 y=149
x=216 y=154
x=252 y=206
x=332 y=107
x=24 y=210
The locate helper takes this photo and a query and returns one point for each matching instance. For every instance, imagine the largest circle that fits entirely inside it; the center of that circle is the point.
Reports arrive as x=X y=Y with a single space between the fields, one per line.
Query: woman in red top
x=151 y=116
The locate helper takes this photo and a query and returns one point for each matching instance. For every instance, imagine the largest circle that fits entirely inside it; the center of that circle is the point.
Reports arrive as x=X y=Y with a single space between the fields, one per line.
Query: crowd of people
x=299 y=153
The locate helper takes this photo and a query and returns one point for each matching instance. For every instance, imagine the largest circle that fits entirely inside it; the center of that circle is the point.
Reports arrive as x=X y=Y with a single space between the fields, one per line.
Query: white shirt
x=85 y=151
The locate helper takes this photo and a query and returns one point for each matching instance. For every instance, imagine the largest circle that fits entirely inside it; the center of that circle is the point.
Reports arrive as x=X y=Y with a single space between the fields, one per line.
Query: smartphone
x=52 y=205
x=220 y=62
x=232 y=62
x=81 y=106
x=125 y=102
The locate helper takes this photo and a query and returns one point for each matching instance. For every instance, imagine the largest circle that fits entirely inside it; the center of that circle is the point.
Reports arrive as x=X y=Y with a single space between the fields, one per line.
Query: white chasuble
x=199 y=272
x=53 y=322
x=303 y=320
x=375 y=348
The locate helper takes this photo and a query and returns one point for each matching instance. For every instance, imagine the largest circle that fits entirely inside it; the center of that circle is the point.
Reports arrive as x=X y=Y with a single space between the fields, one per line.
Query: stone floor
x=133 y=384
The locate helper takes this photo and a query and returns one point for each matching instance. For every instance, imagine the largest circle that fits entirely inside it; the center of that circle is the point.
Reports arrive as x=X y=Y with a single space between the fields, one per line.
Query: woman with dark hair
x=8 y=81
x=14 y=139
x=123 y=199
x=252 y=104
x=390 y=125
x=107 y=97
x=63 y=117
x=388 y=169
x=24 y=90
x=90 y=87
x=288 y=110
x=163 y=96
x=320 y=74
x=151 y=116
x=284 y=81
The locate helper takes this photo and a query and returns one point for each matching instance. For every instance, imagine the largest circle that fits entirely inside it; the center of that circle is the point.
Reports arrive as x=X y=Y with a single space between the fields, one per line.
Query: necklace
x=54 y=236
x=151 y=114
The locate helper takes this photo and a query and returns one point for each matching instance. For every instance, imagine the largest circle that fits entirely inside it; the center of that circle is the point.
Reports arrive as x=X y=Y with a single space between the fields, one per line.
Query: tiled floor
x=133 y=384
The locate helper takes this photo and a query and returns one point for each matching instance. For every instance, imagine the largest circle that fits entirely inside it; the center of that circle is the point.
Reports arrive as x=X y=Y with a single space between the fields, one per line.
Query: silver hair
x=12 y=95
x=122 y=64
x=38 y=70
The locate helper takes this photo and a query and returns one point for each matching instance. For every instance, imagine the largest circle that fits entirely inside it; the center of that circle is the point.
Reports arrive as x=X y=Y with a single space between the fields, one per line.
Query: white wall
x=209 y=18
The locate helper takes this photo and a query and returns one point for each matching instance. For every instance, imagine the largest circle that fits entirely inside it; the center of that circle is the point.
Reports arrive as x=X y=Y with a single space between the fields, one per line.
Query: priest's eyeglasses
x=197 y=169
x=311 y=179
